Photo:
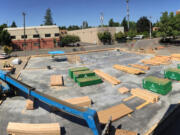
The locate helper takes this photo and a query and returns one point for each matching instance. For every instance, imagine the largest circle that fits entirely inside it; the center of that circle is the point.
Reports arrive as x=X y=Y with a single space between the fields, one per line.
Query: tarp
x=56 y=52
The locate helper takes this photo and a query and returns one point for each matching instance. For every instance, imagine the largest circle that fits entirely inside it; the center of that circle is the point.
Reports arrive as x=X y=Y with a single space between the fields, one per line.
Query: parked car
x=4 y=56
x=139 y=37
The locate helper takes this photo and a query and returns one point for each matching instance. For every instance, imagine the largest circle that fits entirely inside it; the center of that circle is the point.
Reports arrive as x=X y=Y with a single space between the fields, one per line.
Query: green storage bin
x=70 y=71
x=157 y=85
x=89 y=81
x=178 y=66
x=82 y=74
x=172 y=73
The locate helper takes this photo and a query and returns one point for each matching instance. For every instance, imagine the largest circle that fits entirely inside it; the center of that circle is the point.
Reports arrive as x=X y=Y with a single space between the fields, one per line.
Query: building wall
x=90 y=35
x=34 y=42
x=177 y=12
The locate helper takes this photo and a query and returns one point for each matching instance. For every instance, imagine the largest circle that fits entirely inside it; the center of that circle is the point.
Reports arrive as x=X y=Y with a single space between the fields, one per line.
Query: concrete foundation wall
x=90 y=35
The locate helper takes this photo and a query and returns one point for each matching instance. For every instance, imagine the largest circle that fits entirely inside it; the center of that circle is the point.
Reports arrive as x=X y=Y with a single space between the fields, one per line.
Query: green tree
x=48 y=17
x=120 y=37
x=124 y=24
x=73 y=27
x=5 y=38
x=132 y=26
x=69 y=39
x=105 y=37
x=13 y=25
x=131 y=34
x=113 y=24
x=143 y=25
x=62 y=28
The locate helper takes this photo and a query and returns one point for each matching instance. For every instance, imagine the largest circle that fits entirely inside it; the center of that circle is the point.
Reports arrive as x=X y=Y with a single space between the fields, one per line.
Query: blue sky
x=68 y=12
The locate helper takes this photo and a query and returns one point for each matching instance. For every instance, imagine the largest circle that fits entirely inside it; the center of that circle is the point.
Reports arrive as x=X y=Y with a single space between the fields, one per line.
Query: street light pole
x=150 y=28
x=24 y=29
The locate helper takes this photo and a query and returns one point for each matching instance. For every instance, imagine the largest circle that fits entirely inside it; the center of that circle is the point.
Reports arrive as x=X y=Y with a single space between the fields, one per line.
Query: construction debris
x=129 y=70
x=107 y=77
x=29 y=104
x=116 y=112
x=80 y=101
x=158 y=60
x=57 y=80
x=123 y=90
x=124 y=132
x=148 y=96
x=33 y=129
x=140 y=66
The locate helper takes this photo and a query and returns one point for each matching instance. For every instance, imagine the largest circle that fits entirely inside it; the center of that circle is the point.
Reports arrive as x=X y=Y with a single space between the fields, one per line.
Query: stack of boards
x=83 y=76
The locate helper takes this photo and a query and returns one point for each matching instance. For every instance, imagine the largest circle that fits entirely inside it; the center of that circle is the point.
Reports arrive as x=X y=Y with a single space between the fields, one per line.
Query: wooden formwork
x=107 y=77
x=116 y=112
x=80 y=101
x=129 y=70
x=57 y=80
x=148 y=96
x=144 y=67
x=33 y=129
x=123 y=90
x=158 y=60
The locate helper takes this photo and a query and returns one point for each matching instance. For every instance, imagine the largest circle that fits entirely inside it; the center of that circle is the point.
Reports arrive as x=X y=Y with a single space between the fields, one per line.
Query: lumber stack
x=33 y=129
x=158 y=60
x=29 y=104
x=175 y=57
x=129 y=70
x=116 y=112
x=107 y=77
x=144 y=67
x=80 y=101
x=123 y=90
x=57 y=80
x=124 y=132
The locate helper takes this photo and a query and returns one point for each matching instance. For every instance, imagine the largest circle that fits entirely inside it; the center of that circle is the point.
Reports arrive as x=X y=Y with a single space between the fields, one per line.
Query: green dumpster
x=86 y=81
x=157 y=85
x=82 y=74
x=70 y=71
x=172 y=73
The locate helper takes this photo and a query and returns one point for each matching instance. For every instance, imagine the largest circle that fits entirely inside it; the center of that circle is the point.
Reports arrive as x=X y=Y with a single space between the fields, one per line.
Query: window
x=22 y=36
x=47 y=35
x=13 y=37
x=36 y=36
x=56 y=34
x=36 y=44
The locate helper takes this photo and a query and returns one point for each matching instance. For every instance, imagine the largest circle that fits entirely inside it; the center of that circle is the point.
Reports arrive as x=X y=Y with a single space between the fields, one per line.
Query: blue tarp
x=56 y=52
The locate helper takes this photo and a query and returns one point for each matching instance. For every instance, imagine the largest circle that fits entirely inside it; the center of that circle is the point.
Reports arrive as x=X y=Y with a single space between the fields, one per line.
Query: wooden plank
x=107 y=77
x=116 y=112
x=129 y=98
x=123 y=90
x=33 y=129
x=129 y=70
x=124 y=132
x=80 y=101
x=142 y=105
x=140 y=66
x=29 y=104
x=56 y=80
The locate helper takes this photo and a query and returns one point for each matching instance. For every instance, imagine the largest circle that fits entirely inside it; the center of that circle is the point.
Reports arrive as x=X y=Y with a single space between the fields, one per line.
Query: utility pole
x=127 y=1
x=102 y=19
x=150 y=27
x=24 y=23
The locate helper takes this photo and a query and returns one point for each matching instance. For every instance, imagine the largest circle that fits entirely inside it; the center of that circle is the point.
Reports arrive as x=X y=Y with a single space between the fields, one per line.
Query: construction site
x=115 y=91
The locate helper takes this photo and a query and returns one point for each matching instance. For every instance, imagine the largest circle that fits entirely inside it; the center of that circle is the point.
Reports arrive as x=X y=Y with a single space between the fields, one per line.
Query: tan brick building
x=90 y=35
x=36 y=37
x=178 y=12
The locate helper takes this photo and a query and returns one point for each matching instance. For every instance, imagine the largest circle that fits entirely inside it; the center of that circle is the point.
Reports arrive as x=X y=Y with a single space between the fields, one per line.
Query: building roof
x=33 y=27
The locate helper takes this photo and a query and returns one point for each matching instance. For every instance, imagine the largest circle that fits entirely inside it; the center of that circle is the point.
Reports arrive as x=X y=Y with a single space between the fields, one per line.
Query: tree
x=143 y=25
x=69 y=39
x=13 y=24
x=62 y=28
x=5 y=38
x=105 y=37
x=73 y=27
x=132 y=26
x=113 y=24
x=124 y=24
x=120 y=37
x=48 y=17
x=85 y=25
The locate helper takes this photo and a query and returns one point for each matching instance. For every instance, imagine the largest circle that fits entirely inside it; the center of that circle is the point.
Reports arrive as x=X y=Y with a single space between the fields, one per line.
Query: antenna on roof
x=102 y=19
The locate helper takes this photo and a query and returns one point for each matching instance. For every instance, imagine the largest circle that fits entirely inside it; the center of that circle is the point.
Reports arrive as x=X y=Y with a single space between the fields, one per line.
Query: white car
x=4 y=56
x=139 y=37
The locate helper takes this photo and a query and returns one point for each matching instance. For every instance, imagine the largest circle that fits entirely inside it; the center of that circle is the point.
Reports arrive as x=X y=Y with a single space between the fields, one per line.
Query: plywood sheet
x=80 y=101
x=123 y=90
x=116 y=112
x=57 y=80
x=124 y=132
x=33 y=129
x=107 y=77
x=140 y=66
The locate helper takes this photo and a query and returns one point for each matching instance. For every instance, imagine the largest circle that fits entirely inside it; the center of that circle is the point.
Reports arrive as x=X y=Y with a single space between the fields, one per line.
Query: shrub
x=131 y=34
x=7 y=49
x=69 y=39
x=120 y=37
x=105 y=37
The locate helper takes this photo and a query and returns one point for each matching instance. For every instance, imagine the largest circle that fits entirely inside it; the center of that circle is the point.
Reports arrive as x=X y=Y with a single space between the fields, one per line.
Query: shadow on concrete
x=170 y=123
x=59 y=59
